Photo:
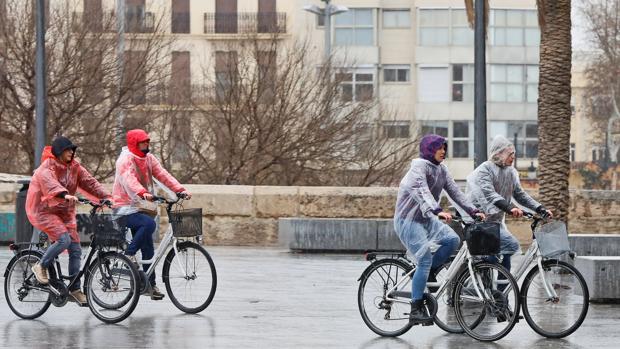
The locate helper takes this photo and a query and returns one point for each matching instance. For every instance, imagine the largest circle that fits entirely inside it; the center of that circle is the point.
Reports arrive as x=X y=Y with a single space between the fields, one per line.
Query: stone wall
x=247 y=215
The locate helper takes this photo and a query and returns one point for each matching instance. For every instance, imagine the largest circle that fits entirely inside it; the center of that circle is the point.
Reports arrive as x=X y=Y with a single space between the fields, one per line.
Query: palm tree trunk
x=554 y=111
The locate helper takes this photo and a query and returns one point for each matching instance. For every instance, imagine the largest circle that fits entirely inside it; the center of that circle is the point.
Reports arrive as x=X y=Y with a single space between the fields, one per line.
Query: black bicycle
x=111 y=281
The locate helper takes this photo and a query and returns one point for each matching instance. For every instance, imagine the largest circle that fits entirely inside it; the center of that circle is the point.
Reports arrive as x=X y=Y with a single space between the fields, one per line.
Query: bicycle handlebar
x=163 y=200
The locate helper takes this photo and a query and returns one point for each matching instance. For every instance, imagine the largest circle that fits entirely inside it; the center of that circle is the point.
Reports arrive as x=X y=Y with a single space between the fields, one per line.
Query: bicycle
x=192 y=272
x=466 y=291
x=551 y=286
x=110 y=279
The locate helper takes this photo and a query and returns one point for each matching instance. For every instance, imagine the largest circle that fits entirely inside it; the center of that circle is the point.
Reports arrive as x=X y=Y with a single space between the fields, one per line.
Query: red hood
x=47 y=153
x=133 y=138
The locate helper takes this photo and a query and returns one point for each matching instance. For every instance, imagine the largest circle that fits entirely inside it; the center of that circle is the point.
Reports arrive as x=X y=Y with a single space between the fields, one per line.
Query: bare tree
x=88 y=82
x=603 y=71
x=267 y=114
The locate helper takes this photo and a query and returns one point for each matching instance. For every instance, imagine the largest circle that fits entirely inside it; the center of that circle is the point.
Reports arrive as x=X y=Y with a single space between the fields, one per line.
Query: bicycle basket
x=109 y=230
x=482 y=238
x=552 y=239
x=186 y=223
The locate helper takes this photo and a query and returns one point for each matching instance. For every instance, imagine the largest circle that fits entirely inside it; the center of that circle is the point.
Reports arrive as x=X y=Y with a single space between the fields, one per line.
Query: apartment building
x=415 y=55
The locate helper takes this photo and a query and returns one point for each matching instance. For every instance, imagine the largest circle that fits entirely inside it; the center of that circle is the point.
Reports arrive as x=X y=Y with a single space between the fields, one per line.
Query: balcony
x=245 y=23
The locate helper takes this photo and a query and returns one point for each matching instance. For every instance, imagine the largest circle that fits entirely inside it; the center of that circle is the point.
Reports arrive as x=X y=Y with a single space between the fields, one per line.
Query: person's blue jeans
x=448 y=241
x=75 y=253
x=142 y=227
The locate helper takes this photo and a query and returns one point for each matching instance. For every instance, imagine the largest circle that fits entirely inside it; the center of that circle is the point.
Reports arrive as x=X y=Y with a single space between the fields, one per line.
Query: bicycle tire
x=492 y=317
x=185 y=278
x=445 y=318
x=567 y=278
x=24 y=260
x=113 y=272
x=384 y=274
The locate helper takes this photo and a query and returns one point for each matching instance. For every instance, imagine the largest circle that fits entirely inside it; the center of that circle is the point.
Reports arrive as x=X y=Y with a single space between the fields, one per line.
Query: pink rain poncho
x=137 y=174
x=50 y=213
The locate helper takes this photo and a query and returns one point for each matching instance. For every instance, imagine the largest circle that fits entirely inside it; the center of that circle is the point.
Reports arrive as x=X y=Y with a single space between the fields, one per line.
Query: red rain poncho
x=135 y=174
x=49 y=213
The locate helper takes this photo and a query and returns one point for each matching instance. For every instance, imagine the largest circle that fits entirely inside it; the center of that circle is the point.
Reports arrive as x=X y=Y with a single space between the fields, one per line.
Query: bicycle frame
x=533 y=255
x=168 y=240
x=462 y=256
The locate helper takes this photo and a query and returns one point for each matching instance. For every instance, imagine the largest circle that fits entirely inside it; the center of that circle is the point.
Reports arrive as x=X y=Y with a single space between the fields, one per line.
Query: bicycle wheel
x=485 y=312
x=446 y=317
x=385 y=318
x=555 y=317
x=190 y=277
x=111 y=287
x=24 y=295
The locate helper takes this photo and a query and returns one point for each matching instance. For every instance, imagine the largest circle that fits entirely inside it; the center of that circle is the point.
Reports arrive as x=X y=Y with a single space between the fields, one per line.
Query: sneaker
x=155 y=294
x=79 y=297
x=419 y=315
x=41 y=274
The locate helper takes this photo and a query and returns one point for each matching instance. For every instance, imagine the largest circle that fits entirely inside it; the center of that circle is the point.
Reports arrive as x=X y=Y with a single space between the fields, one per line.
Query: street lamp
x=327 y=12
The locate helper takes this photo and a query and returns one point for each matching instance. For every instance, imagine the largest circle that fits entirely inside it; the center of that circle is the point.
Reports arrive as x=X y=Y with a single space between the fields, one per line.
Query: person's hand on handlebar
x=516 y=212
x=147 y=196
x=184 y=195
x=445 y=215
x=71 y=198
x=106 y=202
x=480 y=215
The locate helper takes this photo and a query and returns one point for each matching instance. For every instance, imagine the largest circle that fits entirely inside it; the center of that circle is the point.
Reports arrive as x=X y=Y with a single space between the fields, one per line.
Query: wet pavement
x=270 y=298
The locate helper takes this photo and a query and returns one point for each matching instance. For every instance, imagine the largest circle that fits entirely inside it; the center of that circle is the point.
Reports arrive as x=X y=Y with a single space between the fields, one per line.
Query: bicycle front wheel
x=487 y=302
x=112 y=287
x=445 y=317
x=190 y=277
x=23 y=294
x=559 y=315
x=385 y=317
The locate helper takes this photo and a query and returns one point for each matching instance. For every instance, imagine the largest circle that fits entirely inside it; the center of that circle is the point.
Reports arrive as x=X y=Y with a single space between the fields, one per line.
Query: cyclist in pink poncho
x=134 y=187
x=50 y=206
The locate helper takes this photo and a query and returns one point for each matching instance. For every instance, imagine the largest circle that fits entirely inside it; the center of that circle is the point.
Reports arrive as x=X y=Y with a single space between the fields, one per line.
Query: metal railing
x=244 y=22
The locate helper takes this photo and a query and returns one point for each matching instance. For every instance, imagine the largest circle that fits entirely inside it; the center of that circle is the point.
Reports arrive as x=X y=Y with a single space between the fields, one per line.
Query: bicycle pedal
x=428 y=323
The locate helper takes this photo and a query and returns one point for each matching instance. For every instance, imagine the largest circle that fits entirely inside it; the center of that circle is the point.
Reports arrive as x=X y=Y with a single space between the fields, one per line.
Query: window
x=461 y=33
x=225 y=74
x=396 y=73
x=462 y=139
x=435 y=127
x=396 y=18
x=433 y=84
x=354 y=28
x=514 y=83
x=320 y=21
x=526 y=133
x=180 y=81
x=573 y=150
x=180 y=16
x=462 y=83
x=396 y=129
x=514 y=28
x=356 y=86
x=434 y=27
x=443 y=27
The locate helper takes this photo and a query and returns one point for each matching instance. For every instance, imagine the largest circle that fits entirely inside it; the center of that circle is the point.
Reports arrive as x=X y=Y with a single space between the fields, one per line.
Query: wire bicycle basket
x=186 y=222
x=552 y=239
x=109 y=230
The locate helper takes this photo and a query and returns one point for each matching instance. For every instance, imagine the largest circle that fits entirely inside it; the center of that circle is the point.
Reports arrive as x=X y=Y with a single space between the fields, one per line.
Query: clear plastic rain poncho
x=419 y=191
x=50 y=213
x=138 y=173
x=493 y=184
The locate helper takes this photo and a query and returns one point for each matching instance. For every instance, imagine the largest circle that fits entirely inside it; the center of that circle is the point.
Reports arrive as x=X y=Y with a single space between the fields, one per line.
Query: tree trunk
x=554 y=112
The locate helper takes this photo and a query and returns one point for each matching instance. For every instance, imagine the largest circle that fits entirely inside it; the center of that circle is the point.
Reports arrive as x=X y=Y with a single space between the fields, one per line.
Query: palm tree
x=554 y=110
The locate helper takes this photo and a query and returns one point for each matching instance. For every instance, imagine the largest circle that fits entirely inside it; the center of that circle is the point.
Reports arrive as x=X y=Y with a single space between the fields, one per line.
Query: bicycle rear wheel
x=384 y=317
x=485 y=312
x=111 y=287
x=555 y=317
x=23 y=293
x=190 y=277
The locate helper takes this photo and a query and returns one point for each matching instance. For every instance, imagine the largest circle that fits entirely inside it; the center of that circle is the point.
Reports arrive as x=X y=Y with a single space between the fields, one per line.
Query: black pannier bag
x=482 y=238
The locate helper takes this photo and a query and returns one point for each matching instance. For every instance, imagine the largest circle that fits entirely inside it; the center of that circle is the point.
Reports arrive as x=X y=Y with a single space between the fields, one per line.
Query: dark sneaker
x=155 y=294
x=419 y=315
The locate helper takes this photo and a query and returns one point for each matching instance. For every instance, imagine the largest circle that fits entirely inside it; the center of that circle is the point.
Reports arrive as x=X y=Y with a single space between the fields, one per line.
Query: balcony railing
x=245 y=23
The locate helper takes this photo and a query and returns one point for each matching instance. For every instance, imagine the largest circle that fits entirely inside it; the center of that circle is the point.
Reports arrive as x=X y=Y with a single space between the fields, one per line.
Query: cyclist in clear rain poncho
x=416 y=219
x=493 y=185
